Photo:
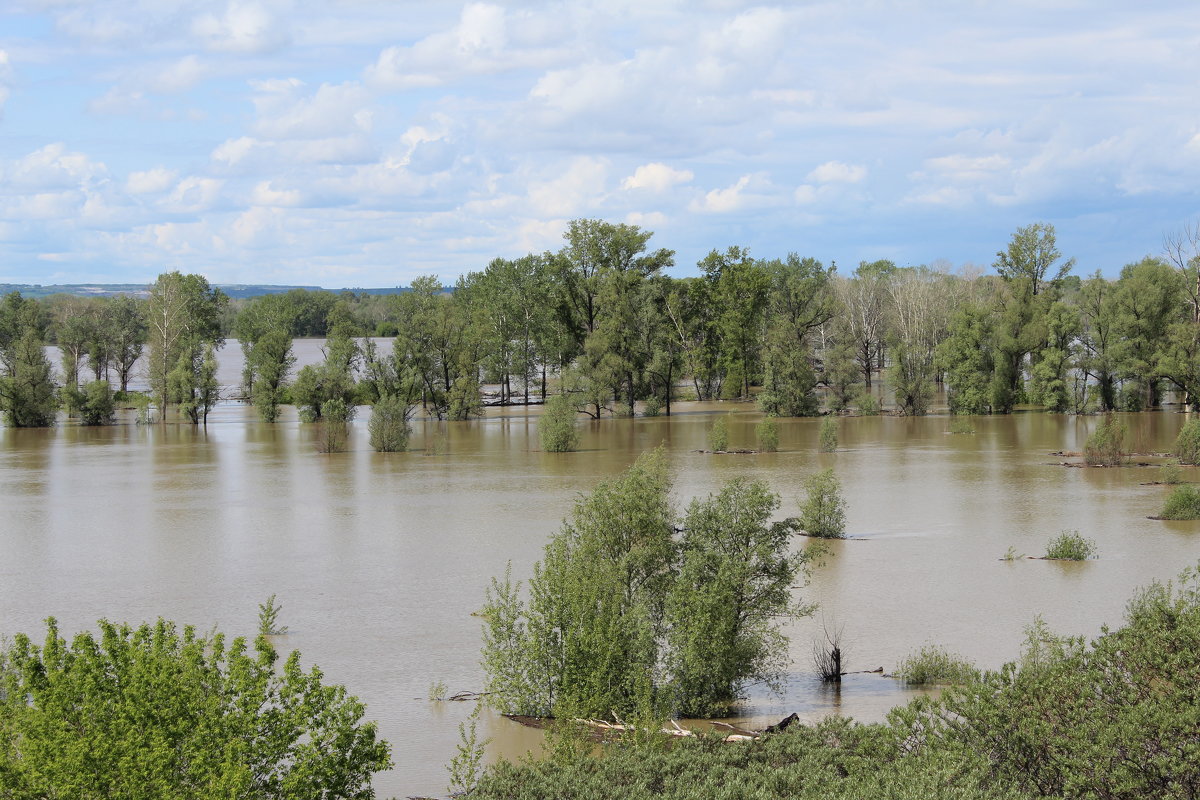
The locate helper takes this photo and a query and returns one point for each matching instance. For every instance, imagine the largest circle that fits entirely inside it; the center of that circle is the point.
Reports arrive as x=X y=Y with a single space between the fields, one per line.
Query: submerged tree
x=623 y=618
x=28 y=395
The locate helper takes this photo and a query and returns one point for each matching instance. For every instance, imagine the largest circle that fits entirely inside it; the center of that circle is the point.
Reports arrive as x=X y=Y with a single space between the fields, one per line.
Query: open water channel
x=379 y=560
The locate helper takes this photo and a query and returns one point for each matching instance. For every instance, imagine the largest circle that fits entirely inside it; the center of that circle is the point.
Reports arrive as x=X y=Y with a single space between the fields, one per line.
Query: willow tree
x=183 y=316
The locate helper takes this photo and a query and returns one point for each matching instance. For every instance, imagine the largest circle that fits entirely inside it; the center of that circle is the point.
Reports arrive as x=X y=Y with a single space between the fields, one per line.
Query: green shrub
x=1187 y=443
x=97 y=405
x=556 y=428
x=335 y=426
x=823 y=513
x=388 y=427
x=653 y=406
x=1070 y=546
x=828 y=436
x=1183 y=503
x=718 y=434
x=1106 y=446
x=1170 y=473
x=936 y=665
x=767 y=433
x=961 y=424
x=867 y=404
x=1011 y=554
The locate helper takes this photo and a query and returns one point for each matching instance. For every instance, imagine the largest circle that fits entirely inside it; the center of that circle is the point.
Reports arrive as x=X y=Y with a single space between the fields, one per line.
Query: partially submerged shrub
x=767 y=433
x=718 y=434
x=1183 y=503
x=1011 y=554
x=1187 y=443
x=961 y=424
x=868 y=406
x=1070 y=546
x=557 y=428
x=828 y=437
x=933 y=664
x=824 y=511
x=388 y=427
x=1170 y=473
x=1106 y=446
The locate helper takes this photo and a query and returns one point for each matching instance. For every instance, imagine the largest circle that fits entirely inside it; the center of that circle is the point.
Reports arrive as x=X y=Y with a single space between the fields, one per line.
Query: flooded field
x=380 y=559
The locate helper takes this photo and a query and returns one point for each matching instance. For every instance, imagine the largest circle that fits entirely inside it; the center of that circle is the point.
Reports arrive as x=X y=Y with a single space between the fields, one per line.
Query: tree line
x=601 y=321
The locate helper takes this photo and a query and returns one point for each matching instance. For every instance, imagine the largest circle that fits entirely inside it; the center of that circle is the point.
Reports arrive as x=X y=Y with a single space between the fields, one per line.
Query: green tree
x=269 y=361
x=1147 y=302
x=124 y=330
x=28 y=395
x=823 y=513
x=556 y=426
x=388 y=429
x=828 y=436
x=150 y=712
x=733 y=589
x=1030 y=254
x=332 y=379
x=183 y=315
x=96 y=405
x=966 y=357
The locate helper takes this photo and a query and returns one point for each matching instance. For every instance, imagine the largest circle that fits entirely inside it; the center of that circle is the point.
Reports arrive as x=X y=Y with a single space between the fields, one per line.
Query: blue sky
x=361 y=143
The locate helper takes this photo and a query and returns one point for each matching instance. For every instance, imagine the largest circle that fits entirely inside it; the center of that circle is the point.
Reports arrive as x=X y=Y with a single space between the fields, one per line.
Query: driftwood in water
x=602 y=730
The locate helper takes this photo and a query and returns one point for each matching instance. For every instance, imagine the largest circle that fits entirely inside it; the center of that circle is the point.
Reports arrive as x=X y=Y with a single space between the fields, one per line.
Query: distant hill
x=235 y=290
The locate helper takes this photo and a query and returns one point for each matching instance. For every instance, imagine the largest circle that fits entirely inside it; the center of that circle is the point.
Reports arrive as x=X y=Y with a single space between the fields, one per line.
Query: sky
x=362 y=143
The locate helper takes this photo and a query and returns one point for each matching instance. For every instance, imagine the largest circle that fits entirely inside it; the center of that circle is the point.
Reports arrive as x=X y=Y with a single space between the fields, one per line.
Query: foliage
x=718 y=434
x=767 y=434
x=624 y=619
x=467 y=764
x=1183 y=503
x=935 y=665
x=269 y=361
x=1170 y=473
x=333 y=379
x=1187 y=443
x=437 y=690
x=828 y=436
x=388 y=428
x=1106 y=446
x=1011 y=554
x=150 y=712
x=962 y=425
x=28 y=395
x=1070 y=546
x=556 y=427
x=183 y=316
x=334 y=431
x=268 y=619
x=96 y=404
x=1113 y=720
x=823 y=513
x=868 y=405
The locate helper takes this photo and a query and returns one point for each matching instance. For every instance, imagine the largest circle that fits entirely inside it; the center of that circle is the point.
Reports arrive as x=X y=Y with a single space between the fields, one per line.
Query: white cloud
x=838 y=172
x=651 y=220
x=150 y=181
x=286 y=110
x=54 y=167
x=722 y=201
x=580 y=186
x=178 y=76
x=656 y=177
x=267 y=195
x=5 y=79
x=233 y=151
x=243 y=27
x=194 y=194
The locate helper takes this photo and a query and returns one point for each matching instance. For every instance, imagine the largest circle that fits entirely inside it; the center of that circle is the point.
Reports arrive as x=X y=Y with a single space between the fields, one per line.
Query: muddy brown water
x=379 y=560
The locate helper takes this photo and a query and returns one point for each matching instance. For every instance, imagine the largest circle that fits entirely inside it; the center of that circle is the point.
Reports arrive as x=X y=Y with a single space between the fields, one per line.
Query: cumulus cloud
x=5 y=79
x=193 y=194
x=150 y=181
x=287 y=109
x=656 y=177
x=580 y=186
x=723 y=201
x=243 y=27
x=838 y=172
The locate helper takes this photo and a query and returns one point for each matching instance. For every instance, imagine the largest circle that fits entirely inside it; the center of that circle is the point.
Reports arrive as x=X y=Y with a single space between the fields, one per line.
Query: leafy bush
x=268 y=619
x=1113 y=720
x=97 y=405
x=1170 y=473
x=718 y=434
x=936 y=665
x=335 y=426
x=151 y=712
x=1187 y=443
x=653 y=406
x=961 y=424
x=1105 y=447
x=828 y=436
x=823 y=513
x=1183 y=503
x=767 y=433
x=624 y=618
x=1070 y=546
x=867 y=404
x=556 y=428
x=1011 y=554
x=388 y=428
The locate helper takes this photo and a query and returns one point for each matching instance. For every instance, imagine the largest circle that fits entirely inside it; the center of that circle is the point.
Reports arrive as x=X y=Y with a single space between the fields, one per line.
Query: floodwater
x=379 y=560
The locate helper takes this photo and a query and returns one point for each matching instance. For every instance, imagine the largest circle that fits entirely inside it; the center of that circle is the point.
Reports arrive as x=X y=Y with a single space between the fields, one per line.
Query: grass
x=1183 y=503
x=961 y=425
x=933 y=665
x=1070 y=546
